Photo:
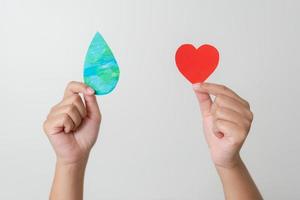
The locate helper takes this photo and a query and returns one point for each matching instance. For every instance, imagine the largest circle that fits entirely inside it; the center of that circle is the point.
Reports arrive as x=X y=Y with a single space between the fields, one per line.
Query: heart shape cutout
x=196 y=65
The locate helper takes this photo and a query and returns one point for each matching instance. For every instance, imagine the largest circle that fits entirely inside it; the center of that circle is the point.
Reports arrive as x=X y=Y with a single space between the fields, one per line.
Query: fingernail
x=90 y=90
x=203 y=85
x=197 y=86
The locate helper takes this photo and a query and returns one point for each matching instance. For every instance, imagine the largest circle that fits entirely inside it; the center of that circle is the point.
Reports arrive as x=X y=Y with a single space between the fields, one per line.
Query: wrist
x=234 y=163
x=71 y=169
x=74 y=163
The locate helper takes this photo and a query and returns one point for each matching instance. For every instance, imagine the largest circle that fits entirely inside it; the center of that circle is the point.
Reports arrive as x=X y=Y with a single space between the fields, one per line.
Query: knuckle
x=98 y=118
x=53 y=108
x=70 y=84
x=247 y=104
x=244 y=132
x=247 y=124
x=251 y=115
x=45 y=126
x=223 y=87
x=48 y=116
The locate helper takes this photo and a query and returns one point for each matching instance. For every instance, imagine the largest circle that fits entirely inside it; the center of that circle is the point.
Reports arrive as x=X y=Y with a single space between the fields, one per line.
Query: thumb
x=203 y=98
x=92 y=107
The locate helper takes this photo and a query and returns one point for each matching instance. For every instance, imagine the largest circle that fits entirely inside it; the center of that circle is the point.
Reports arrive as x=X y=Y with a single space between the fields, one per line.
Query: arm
x=226 y=122
x=237 y=183
x=68 y=181
x=72 y=128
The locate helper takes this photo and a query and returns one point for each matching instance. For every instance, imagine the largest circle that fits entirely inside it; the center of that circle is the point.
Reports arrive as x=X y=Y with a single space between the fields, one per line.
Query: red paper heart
x=197 y=64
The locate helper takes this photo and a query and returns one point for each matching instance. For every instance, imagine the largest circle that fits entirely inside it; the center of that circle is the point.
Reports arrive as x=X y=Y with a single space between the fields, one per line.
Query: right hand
x=72 y=125
x=226 y=121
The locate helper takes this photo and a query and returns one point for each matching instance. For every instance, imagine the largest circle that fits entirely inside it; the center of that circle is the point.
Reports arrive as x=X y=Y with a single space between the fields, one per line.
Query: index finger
x=216 y=89
x=77 y=87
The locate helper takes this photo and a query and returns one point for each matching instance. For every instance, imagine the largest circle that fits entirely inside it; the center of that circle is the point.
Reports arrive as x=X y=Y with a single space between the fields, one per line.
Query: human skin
x=226 y=122
x=72 y=127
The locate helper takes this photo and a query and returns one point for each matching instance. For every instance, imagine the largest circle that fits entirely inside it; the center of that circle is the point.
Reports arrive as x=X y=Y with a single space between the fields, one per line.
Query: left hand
x=226 y=120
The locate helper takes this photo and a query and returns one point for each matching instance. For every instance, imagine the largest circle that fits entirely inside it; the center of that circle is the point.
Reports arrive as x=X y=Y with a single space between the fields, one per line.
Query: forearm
x=237 y=183
x=68 y=181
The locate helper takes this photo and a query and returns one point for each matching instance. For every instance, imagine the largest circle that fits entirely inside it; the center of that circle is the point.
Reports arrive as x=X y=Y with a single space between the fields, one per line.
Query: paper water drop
x=101 y=71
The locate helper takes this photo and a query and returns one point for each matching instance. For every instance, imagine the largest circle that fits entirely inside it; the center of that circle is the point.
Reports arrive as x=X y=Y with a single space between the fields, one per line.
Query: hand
x=72 y=125
x=226 y=122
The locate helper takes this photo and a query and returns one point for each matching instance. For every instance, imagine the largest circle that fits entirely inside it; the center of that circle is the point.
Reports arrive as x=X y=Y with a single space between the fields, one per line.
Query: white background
x=151 y=144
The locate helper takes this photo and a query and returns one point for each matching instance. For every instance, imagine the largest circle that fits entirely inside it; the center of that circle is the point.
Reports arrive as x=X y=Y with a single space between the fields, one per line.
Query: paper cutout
x=101 y=71
x=196 y=65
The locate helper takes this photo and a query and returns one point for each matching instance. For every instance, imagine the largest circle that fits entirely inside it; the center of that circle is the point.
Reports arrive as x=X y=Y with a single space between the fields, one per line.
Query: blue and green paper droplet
x=101 y=70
